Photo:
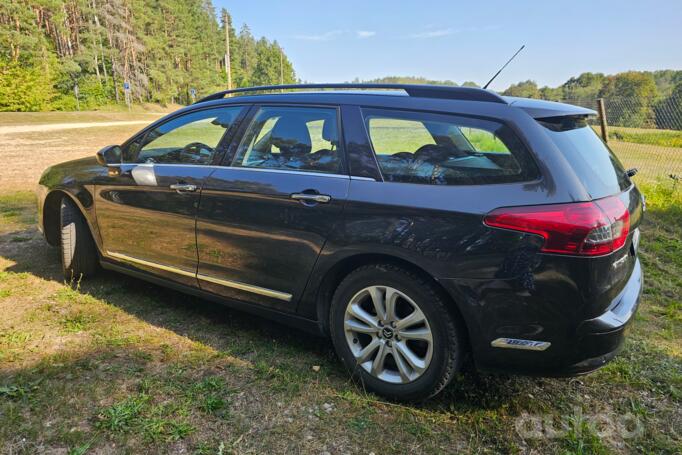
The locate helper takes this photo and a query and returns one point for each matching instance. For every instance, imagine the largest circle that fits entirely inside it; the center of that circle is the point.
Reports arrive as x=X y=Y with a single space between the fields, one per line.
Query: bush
x=25 y=89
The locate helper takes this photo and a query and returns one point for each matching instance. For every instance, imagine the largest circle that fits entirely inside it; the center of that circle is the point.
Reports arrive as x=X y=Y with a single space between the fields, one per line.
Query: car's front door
x=264 y=217
x=146 y=207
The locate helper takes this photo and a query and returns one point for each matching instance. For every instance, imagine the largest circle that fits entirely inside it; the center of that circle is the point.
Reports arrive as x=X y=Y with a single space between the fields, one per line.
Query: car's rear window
x=435 y=149
x=595 y=164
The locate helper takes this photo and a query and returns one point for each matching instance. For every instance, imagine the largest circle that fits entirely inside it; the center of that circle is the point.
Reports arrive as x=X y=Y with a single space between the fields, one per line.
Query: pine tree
x=162 y=48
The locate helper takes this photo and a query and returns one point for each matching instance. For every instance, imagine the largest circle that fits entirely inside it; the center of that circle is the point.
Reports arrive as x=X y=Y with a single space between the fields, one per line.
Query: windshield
x=596 y=166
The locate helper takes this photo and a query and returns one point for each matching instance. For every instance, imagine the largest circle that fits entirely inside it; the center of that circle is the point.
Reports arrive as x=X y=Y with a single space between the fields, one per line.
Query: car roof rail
x=417 y=90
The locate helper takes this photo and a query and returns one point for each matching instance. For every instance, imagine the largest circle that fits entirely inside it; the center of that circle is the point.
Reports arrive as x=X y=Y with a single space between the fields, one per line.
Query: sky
x=337 y=41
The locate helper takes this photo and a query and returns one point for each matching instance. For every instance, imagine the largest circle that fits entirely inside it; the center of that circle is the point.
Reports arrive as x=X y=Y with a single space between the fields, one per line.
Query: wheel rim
x=388 y=334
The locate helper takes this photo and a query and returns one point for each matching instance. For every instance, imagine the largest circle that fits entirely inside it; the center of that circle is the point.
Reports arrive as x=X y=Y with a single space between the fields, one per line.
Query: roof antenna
x=503 y=67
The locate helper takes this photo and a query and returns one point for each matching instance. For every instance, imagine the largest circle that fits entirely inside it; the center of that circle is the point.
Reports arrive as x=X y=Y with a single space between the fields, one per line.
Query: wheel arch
x=51 y=207
x=333 y=277
x=51 y=215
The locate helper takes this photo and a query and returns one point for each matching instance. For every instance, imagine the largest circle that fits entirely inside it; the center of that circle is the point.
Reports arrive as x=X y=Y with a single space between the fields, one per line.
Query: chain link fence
x=643 y=134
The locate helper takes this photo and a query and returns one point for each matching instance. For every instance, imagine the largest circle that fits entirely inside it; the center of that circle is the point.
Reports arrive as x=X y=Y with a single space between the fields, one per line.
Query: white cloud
x=437 y=33
x=333 y=34
x=433 y=33
x=362 y=34
x=326 y=36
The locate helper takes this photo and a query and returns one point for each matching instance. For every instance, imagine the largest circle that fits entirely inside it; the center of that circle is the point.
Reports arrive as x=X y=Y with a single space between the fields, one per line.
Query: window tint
x=190 y=139
x=304 y=139
x=415 y=147
x=392 y=135
x=596 y=166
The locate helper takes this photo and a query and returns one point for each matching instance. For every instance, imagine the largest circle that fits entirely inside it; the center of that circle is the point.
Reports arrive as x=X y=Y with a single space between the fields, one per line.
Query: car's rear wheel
x=392 y=329
x=79 y=254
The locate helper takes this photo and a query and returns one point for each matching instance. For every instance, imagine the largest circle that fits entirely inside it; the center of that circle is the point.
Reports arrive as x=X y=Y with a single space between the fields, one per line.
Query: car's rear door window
x=418 y=147
x=292 y=138
x=600 y=171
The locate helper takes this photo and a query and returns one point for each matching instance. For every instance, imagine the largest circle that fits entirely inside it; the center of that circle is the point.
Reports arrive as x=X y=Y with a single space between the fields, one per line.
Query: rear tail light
x=582 y=228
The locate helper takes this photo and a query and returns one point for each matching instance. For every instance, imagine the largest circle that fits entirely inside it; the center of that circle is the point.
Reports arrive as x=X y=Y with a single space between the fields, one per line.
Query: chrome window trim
x=252 y=169
x=286 y=171
x=364 y=179
x=227 y=283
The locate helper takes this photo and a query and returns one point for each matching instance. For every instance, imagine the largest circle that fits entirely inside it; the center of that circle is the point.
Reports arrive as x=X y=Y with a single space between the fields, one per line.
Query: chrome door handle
x=321 y=198
x=183 y=187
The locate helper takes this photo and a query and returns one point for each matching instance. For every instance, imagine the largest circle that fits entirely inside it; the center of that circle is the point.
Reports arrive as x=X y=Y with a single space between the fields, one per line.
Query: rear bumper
x=600 y=338
x=577 y=347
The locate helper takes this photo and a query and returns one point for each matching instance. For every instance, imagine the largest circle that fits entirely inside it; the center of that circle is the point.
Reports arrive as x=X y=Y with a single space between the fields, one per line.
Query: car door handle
x=183 y=187
x=305 y=197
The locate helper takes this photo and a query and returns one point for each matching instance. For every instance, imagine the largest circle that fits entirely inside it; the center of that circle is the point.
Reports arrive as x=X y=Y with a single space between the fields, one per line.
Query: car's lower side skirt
x=228 y=283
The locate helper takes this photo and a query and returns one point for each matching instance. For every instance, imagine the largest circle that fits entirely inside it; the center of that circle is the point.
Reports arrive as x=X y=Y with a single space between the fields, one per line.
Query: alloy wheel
x=388 y=334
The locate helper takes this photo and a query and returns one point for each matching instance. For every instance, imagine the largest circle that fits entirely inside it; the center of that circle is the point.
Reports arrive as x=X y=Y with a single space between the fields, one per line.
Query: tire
x=79 y=254
x=440 y=352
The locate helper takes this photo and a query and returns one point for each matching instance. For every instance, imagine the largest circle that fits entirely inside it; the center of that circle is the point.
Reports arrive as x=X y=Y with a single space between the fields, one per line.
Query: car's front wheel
x=79 y=253
x=392 y=329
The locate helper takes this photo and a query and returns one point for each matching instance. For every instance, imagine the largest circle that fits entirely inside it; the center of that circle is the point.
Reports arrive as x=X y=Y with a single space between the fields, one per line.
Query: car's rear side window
x=594 y=163
x=426 y=148
x=292 y=138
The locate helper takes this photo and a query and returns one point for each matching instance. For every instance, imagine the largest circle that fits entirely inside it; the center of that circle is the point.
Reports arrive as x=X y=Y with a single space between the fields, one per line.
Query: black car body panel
x=241 y=239
x=250 y=230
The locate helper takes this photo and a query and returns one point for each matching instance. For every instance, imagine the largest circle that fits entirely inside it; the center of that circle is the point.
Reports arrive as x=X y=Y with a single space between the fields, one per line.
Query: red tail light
x=582 y=228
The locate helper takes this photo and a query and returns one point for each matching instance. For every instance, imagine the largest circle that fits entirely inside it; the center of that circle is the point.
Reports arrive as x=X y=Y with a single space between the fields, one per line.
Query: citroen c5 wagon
x=416 y=226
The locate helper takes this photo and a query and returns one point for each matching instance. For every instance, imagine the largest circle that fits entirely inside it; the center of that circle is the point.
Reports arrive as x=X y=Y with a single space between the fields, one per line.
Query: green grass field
x=656 y=153
x=662 y=138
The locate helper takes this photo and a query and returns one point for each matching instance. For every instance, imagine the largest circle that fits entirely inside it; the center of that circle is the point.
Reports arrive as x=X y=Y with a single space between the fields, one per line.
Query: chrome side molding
x=515 y=343
x=227 y=283
x=166 y=268
x=247 y=287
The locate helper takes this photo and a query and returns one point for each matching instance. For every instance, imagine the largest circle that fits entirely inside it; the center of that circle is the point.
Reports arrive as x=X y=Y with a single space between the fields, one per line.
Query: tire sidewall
x=423 y=296
x=78 y=252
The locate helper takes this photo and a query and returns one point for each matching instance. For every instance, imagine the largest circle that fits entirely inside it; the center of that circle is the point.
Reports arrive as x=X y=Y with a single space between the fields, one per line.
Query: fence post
x=602 y=120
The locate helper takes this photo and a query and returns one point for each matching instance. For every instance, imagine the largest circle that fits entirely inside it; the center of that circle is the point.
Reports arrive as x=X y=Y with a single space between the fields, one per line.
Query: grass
x=28 y=151
x=117 y=365
x=45 y=118
x=16 y=211
x=661 y=138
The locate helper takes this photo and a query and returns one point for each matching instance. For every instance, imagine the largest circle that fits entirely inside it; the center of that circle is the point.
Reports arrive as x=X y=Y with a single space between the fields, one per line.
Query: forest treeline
x=643 y=99
x=64 y=54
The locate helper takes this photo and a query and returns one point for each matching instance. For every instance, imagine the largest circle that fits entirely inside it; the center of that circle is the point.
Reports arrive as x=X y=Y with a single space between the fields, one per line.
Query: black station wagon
x=417 y=226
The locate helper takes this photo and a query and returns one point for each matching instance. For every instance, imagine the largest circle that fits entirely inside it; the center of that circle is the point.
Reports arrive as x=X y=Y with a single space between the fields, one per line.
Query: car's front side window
x=292 y=138
x=417 y=147
x=189 y=139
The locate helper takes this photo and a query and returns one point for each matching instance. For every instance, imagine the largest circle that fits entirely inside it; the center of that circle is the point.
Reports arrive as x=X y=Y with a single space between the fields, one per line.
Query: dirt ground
x=29 y=143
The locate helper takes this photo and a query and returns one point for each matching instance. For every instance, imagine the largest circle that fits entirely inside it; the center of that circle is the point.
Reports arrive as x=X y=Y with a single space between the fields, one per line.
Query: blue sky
x=336 y=41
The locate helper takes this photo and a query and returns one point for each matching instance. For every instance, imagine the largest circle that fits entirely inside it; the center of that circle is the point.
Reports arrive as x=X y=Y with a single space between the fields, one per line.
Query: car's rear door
x=264 y=216
x=146 y=206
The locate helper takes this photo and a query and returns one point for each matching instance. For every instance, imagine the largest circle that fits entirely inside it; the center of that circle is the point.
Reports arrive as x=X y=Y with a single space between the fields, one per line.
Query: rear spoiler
x=547 y=109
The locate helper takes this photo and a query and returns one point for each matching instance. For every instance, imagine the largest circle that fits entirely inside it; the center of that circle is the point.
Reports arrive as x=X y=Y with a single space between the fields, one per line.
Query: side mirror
x=111 y=154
